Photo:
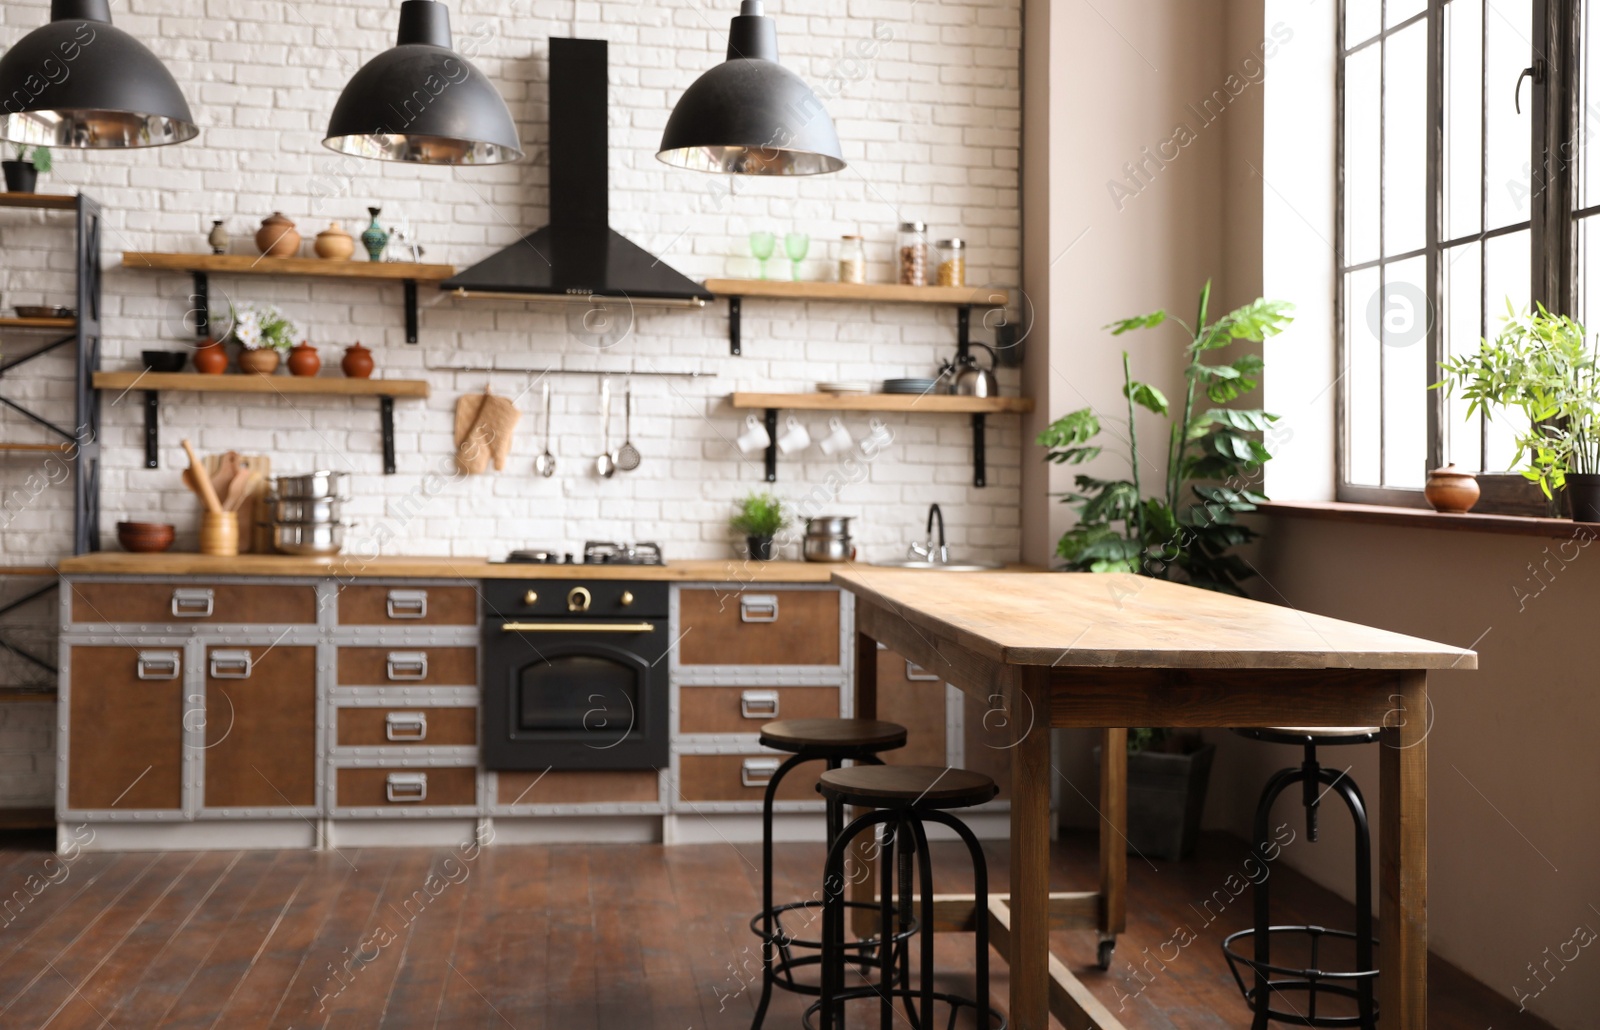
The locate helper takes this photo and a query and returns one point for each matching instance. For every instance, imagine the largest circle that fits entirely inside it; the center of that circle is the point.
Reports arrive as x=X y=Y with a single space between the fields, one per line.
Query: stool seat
x=1302 y=735
x=842 y=735
x=904 y=786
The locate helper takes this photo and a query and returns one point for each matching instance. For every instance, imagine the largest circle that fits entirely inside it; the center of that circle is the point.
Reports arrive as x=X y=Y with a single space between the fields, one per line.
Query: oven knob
x=578 y=600
x=531 y=597
x=626 y=598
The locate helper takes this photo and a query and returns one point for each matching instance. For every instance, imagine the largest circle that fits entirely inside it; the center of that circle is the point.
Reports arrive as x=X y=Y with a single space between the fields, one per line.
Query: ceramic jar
x=374 y=238
x=277 y=236
x=217 y=237
x=357 y=363
x=1451 y=490
x=334 y=244
x=210 y=359
x=261 y=361
x=303 y=360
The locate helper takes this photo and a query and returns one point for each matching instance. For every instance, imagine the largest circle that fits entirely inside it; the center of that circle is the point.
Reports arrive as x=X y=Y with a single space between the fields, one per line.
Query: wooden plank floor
x=608 y=937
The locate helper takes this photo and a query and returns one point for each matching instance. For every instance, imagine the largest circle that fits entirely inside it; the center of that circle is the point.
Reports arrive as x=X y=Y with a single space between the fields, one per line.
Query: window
x=1462 y=125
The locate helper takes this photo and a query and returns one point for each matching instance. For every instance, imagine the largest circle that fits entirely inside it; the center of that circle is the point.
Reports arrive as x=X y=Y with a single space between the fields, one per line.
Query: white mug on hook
x=794 y=436
x=838 y=439
x=879 y=436
x=755 y=437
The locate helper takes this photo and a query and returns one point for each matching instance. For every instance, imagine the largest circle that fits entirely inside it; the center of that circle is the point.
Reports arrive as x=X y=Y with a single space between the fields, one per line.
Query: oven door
x=576 y=694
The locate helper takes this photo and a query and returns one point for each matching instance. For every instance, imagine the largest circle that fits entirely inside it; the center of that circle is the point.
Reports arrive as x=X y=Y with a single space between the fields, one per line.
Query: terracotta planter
x=303 y=360
x=210 y=359
x=357 y=363
x=334 y=244
x=262 y=361
x=277 y=237
x=1450 y=490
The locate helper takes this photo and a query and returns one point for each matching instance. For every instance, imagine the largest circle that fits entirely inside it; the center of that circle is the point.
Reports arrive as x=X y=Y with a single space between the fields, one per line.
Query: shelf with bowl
x=203 y=266
x=155 y=383
x=962 y=298
x=924 y=404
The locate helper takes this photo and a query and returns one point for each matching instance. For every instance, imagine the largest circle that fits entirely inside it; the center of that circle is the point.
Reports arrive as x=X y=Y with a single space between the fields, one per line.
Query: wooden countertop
x=423 y=567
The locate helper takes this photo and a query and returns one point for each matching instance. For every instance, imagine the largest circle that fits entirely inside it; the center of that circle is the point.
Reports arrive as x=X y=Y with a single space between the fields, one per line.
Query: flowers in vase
x=261 y=327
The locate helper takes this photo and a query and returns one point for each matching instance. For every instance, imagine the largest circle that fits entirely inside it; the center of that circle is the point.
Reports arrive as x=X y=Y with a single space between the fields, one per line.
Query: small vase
x=210 y=359
x=761 y=548
x=1451 y=491
x=373 y=237
x=357 y=363
x=277 y=237
x=217 y=237
x=21 y=176
x=334 y=244
x=303 y=360
x=261 y=361
x=1583 y=496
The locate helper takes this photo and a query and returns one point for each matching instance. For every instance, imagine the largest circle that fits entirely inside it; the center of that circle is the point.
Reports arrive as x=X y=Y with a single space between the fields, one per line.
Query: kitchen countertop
x=733 y=570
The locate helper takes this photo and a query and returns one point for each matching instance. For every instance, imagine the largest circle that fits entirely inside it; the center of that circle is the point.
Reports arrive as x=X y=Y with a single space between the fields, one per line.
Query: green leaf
x=1149 y=321
x=1070 y=430
x=1256 y=321
x=1073 y=455
x=1250 y=420
x=1146 y=396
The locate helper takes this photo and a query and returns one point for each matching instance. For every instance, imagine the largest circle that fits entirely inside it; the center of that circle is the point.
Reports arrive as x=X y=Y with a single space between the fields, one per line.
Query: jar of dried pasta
x=912 y=248
x=952 y=263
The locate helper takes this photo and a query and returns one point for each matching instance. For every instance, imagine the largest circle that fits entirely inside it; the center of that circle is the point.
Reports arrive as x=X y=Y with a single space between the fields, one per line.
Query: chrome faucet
x=936 y=554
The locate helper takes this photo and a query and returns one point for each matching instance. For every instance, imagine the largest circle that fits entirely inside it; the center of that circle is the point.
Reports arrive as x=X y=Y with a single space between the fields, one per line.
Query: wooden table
x=1114 y=651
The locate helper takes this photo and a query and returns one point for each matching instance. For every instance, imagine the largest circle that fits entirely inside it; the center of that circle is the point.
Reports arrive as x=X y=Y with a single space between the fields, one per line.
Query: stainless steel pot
x=308 y=539
x=301 y=509
x=829 y=525
x=827 y=548
x=313 y=486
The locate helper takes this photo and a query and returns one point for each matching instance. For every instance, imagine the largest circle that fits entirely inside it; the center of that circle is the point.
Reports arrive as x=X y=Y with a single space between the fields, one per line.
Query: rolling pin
x=207 y=492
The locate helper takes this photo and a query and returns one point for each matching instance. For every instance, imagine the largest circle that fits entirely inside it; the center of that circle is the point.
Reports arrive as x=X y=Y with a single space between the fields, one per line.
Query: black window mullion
x=1434 y=270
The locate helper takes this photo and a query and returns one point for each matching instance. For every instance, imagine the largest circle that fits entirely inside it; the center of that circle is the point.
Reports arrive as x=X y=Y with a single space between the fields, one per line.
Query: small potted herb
x=22 y=174
x=760 y=518
x=265 y=333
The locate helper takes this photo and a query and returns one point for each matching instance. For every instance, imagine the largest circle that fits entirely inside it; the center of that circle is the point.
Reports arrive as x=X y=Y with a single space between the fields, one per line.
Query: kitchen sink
x=954 y=566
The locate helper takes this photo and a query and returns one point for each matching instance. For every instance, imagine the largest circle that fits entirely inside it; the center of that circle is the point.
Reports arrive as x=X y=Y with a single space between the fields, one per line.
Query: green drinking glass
x=761 y=246
x=796 y=245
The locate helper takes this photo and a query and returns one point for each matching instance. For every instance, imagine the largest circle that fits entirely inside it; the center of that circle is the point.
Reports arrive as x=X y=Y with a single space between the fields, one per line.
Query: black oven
x=575 y=674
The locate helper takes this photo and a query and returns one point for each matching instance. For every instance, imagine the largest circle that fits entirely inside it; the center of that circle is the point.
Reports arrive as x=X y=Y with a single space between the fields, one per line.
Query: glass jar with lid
x=952 y=262
x=852 y=259
x=912 y=248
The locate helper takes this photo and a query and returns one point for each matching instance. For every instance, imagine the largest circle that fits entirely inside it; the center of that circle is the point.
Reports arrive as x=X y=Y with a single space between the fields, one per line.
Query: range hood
x=578 y=255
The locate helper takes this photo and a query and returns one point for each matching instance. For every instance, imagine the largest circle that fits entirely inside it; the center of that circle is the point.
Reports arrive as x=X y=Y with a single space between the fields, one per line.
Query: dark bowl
x=164 y=360
x=145 y=537
x=42 y=311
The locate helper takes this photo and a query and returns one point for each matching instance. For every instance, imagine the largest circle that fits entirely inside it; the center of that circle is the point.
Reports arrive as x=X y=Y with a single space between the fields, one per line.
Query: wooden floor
x=564 y=938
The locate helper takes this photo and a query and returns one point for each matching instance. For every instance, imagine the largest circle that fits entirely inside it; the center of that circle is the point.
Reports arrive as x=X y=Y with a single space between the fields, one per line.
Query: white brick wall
x=925 y=95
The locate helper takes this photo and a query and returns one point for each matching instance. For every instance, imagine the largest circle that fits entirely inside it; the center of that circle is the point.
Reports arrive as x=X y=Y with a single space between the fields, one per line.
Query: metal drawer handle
x=407 y=665
x=759 y=704
x=407 y=604
x=757 y=772
x=404 y=788
x=193 y=603
x=406 y=726
x=576 y=627
x=916 y=673
x=758 y=608
x=158 y=665
x=231 y=665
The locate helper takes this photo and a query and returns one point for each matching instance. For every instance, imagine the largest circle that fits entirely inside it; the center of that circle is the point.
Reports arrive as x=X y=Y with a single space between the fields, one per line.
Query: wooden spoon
x=239 y=489
x=207 y=493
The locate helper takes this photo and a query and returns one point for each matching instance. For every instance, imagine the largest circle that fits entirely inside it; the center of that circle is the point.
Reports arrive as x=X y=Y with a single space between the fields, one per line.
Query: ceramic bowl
x=145 y=537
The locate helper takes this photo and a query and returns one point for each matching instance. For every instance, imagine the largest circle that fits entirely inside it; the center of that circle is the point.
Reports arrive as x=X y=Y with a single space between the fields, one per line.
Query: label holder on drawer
x=231 y=664
x=406 y=788
x=758 y=608
x=917 y=674
x=757 y=772
x=157 y=665
x=759 y=704
x=193 y=603
x=406 y=604
x=406 y=666
x=405 y=727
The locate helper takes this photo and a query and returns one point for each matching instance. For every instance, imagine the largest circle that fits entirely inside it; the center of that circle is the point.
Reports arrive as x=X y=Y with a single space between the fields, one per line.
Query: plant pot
x=261 y=361
x=1583 y=496
x=21 y=176
x=1166 y=797
x=761 y=548
x=357 y=363
x=303 y=360
x=210 y=359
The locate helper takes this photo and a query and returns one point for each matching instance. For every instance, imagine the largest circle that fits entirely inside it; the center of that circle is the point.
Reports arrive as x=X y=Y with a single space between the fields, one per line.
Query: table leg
x=1029 y=954
x=1113 y=832
x=1403 y=857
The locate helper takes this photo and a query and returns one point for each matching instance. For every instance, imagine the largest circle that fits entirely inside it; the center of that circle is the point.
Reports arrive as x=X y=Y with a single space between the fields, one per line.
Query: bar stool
x=903 y=799
x=834 y=741
x=1312 y=981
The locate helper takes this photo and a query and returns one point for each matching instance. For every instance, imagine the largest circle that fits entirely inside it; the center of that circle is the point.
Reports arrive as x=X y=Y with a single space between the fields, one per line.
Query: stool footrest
x=997 y=1021
x=1307 y=983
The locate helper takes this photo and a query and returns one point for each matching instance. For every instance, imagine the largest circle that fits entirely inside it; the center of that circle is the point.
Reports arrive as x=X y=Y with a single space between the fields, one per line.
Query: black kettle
x=967 y=379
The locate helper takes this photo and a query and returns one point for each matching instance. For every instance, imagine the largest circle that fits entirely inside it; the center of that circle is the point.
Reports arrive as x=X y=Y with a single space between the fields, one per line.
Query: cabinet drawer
x=744 y=778
x=391 y=727
x=778 y=627
x=916 y=699
x=400 y=788
x=744 y=709
x=408 y=606
x=125 y=728
x=423 y=666
x=175 y=603
x=632 y=786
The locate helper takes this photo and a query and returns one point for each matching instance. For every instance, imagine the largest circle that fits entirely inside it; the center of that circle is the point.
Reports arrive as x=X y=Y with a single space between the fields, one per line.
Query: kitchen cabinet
x=401 y=606
x=407 y=725
x=744 y=777
x=422 y=666
x=189 y=603
x=393 y=789
x=260 y=726
x=744 y=709
x=758 y=627
x=911 y=696
x=522 y=790
x=125 y=715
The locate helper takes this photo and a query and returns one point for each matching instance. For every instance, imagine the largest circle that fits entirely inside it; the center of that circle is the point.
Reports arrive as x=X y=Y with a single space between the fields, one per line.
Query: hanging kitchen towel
x=472 y=452
x=497 y=419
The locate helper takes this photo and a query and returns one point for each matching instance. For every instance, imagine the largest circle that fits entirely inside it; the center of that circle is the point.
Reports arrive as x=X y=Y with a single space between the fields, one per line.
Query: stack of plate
x=846 y=386
x=916 y=386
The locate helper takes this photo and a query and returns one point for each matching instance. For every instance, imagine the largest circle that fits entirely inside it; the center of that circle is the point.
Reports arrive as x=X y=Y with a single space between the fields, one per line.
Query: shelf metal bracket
x=980 y=470
x=202 y=306
x=152 y=431
x=733 y=326
x=963 y=331
x=386 y=417
x=772 y=445
x=411 y=311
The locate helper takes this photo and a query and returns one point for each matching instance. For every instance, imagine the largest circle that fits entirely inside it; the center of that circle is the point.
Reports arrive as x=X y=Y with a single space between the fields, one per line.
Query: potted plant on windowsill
x=1185 y=532
x=22 y=174
x=760 y=518
x=1541 y=366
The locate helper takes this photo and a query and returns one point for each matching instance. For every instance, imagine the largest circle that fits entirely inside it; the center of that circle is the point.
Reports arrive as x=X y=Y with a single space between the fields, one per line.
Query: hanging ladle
x=545 y=464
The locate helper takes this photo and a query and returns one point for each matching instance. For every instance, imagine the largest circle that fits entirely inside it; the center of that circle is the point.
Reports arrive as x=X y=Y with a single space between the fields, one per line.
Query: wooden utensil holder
x=219 y=532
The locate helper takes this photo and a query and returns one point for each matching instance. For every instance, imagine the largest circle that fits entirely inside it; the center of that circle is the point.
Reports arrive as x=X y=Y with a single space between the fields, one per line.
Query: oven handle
x=577 y=627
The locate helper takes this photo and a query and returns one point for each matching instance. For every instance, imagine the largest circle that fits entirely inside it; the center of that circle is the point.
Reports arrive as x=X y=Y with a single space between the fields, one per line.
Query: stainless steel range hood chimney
x=578 y=254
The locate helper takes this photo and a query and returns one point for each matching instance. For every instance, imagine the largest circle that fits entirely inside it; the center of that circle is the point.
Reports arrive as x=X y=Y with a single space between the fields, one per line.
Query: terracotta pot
x=303 y=360
x=277 y=237
x=334 y=244
x=357 y=363
x=210 y=358
x=1451 y=490
x=262 y=361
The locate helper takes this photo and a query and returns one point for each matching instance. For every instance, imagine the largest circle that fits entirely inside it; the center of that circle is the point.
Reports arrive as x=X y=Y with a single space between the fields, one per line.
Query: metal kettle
x=967 y=379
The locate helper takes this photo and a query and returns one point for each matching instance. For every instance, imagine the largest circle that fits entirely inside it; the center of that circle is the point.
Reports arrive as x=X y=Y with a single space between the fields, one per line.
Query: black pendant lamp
x=423 y=102
x=82 y=82
x=750 y=115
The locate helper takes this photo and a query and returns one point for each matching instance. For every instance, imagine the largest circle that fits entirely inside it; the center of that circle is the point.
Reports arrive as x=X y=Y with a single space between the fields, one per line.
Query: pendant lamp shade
x=750 y=115
x=80 y=81
x=423 y=102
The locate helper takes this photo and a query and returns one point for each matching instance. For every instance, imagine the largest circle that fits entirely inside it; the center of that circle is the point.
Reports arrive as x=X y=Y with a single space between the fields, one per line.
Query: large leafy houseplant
x=1214 y=455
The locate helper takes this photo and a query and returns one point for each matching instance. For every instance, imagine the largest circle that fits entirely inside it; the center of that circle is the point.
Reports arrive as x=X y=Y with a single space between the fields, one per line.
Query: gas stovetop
x=595 y=552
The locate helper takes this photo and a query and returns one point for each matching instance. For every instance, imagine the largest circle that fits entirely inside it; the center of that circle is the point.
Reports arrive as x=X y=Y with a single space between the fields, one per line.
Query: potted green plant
x=1185 y=531
x=265 y=334
x=760 y=518
x=22 y=173
x=1541 y=366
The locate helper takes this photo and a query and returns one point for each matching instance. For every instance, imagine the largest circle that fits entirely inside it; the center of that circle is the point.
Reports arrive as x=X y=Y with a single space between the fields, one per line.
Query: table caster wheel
x=1103 y=953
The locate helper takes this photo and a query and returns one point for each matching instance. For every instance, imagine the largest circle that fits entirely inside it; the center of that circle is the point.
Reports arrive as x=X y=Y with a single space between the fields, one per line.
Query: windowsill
x=1424 y=518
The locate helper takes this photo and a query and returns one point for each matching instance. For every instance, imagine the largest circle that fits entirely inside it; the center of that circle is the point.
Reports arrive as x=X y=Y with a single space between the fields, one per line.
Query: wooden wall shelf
x=41 y=201
x=155 y=383
x=65 y=325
